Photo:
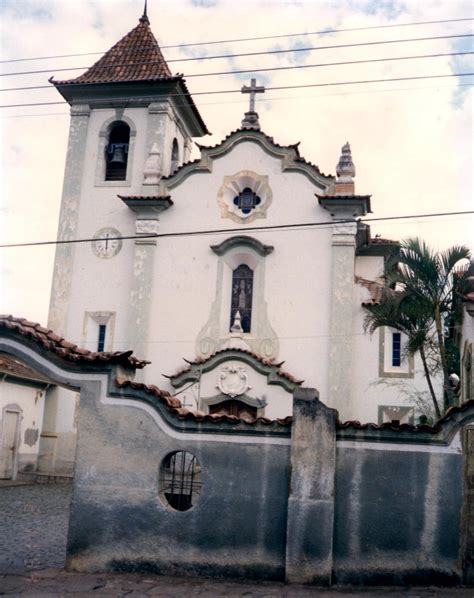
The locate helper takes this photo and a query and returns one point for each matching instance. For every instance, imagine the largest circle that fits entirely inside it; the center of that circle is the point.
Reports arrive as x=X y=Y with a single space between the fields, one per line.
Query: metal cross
x=252 y=90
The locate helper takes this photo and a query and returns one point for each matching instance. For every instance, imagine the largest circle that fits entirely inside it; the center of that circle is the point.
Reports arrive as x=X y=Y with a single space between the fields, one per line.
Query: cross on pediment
x=251 y=117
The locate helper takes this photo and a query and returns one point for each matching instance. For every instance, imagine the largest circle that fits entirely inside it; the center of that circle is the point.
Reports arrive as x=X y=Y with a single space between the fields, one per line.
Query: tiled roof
x=136 y=57
x=450 y=414
x=279 y=372
x=381 y=241
x=58 y=345
x=12 y=367
x=376 y=290
x=145 y=197
x=175 y=406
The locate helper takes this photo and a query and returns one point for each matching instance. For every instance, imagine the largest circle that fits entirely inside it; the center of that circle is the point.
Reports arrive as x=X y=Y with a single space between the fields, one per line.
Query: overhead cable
x=244 y=54
x=295 y=226
x=285 y=68
x=274 y=88
x=247 y=39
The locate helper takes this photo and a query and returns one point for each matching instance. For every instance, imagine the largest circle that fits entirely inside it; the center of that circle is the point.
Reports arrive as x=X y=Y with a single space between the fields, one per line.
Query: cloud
x=462 y=64
x=390 y=9
x=204 y=3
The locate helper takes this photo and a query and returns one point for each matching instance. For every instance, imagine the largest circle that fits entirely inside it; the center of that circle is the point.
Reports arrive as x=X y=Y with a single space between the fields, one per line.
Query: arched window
x=174 y=156
x=242 y=291
x=116 y=152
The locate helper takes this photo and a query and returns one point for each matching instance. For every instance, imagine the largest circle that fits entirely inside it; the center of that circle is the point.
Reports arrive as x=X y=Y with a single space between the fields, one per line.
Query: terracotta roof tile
x=136 y=57
x=12 y=367
x=376 y=290
x=381 y=241
x=450 y=413
x=200 y=361
x=175 y=406
x=54 y=343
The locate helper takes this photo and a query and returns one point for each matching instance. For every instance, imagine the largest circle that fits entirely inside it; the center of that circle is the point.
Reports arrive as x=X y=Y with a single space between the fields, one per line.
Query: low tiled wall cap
x=382 y=241
x=376 y=290
x=65 y=349
x=202 y=360
x=176 y=407
x=449 y=415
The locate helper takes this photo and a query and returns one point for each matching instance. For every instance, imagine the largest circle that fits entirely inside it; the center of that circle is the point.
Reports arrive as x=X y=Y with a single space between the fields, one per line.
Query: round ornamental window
x=180 y=480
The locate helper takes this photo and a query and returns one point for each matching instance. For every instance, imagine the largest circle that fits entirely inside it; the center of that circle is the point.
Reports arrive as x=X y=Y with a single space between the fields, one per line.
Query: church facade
x=238 y=261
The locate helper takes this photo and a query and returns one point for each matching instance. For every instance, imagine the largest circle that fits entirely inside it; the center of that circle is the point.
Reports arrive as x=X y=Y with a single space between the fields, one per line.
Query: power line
x=285 y=68
x=285 y=98
x=296 y=226
x=266 y=52
x=246 y=39
x=274 y=88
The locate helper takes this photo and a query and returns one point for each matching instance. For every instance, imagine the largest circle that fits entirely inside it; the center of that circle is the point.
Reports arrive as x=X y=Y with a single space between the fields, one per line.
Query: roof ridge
x=136 y=56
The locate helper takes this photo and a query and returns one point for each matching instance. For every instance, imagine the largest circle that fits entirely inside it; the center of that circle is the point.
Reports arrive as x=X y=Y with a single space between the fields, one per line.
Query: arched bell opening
x=116 y=152
x=174 y=156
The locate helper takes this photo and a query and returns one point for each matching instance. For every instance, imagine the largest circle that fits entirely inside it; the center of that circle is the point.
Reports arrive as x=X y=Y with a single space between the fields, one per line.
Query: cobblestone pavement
x=33 y=527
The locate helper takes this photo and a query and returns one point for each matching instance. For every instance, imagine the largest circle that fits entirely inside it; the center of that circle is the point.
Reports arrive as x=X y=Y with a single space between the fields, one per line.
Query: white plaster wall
x=279 y=401
x=297 y=273
x=369 y=267
x=31 y=402
x=369 y=393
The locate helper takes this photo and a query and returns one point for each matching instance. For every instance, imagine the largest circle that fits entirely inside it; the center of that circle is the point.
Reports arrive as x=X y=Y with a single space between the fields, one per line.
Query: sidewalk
x=57 y=582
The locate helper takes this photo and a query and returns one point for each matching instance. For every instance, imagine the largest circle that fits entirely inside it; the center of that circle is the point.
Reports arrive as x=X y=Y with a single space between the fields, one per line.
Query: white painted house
x=213 y=260
x=22 y=400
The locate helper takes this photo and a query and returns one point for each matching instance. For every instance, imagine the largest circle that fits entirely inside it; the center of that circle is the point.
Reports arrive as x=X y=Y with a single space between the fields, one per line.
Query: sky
x=411 y=140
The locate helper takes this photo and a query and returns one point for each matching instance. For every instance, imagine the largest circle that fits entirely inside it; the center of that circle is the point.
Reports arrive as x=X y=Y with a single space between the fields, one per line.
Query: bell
x=118 y=154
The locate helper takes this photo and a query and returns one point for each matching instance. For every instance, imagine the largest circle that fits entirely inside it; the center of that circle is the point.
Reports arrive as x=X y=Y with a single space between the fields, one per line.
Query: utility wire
x=274 y=88
x=247 y=39
x=264 y=53
x=281 y=99
x=238 y=229
x=285 y=68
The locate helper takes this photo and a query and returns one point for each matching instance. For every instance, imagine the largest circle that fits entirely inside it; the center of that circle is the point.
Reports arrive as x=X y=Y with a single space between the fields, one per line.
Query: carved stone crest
x=233 y=380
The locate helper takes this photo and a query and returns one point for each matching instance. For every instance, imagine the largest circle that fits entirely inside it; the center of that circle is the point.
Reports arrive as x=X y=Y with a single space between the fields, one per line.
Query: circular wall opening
x=180 y=480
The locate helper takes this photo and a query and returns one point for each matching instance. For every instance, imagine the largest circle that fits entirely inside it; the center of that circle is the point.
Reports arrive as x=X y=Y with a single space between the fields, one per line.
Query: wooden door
x=233 y=407
x=9 y=446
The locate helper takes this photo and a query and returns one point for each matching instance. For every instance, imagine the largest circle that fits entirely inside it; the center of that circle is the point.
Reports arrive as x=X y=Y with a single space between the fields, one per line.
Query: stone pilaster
x=310 y=523
x=340 y=347
x=142 y=284
x=68 y=218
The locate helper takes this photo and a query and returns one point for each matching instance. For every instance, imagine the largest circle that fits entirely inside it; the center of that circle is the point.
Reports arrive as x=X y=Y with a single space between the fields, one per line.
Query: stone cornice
x=242 y=241
x=147 y=206
x=291 y=161
x=345 y=206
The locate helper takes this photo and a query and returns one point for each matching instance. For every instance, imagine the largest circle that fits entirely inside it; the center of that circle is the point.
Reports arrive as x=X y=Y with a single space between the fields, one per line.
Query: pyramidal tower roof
x=134 y=72
x=136 y=57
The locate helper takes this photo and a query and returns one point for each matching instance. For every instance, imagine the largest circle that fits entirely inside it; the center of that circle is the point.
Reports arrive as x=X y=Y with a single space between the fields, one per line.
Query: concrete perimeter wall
x=313 y=501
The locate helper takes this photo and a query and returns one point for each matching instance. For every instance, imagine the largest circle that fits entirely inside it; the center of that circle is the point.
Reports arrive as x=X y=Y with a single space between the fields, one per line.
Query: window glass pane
x=242 y=290
x=396 y=348
x=101 y=341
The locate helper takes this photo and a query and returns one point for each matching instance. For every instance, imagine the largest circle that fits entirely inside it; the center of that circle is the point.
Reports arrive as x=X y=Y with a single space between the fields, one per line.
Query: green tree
x=417 y=300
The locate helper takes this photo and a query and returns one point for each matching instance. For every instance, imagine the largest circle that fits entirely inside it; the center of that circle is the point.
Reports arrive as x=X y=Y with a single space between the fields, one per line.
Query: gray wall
x=118 y=521
x=317 y=502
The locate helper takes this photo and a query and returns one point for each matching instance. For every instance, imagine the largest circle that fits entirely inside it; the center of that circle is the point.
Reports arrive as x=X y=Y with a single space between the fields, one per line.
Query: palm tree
x=418 y=297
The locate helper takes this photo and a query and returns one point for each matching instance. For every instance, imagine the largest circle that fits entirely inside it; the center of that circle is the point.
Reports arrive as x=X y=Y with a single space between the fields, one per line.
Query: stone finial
x=237 y=325
x=345 y=171
x=345 y=168
x=151 y=172
x=236 y=341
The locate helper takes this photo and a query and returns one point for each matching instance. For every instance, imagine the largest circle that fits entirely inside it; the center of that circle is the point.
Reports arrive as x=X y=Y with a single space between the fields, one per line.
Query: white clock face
x=107 y=242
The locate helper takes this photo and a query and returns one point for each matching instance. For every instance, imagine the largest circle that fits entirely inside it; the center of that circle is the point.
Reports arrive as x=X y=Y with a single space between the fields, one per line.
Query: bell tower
x=132 y=122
